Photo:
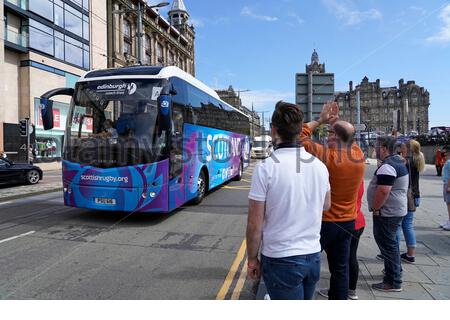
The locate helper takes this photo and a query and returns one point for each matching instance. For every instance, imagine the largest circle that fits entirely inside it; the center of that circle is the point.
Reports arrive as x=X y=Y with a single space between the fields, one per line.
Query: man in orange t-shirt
x=346 y=165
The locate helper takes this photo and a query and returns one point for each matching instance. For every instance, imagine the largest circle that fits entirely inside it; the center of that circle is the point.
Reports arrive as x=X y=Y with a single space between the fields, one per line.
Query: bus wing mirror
x=164 y=104
x=47 y=105
x=168 y=89
x=47 y=113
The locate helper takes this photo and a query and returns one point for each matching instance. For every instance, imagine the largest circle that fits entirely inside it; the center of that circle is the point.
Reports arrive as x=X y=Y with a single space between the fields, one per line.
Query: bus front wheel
x=201 y=187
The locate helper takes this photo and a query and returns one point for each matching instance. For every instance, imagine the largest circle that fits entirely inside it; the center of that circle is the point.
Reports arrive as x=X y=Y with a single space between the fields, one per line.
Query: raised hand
x=330 y=113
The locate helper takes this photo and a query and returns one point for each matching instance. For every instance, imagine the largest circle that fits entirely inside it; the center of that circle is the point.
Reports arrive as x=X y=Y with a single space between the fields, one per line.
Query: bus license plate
x=105 y=201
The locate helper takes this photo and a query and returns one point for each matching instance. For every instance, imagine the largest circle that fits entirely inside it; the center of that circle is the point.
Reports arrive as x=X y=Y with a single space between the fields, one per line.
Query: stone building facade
x=45 y=45
x=233 y=98
x=404 y=108
x=165 y=42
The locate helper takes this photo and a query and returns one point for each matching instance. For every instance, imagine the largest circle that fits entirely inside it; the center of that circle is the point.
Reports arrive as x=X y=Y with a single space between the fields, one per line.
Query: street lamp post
x=140 y=32
x=239 y=96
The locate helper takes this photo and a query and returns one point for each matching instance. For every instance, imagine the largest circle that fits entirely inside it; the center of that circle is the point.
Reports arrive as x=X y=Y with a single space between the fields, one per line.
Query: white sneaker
x=446 y=226
x=266 y=296
x=323 y=293
x=352 y=295
x=443 y=224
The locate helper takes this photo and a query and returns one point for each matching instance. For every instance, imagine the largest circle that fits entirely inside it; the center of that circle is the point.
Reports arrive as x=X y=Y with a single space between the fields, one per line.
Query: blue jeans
x=385 y=233
x=335 y=238
x=291 y=278
x=408 y=231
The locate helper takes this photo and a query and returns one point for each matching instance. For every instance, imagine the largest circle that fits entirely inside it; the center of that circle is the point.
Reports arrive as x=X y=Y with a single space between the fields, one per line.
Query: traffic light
x=23 y=124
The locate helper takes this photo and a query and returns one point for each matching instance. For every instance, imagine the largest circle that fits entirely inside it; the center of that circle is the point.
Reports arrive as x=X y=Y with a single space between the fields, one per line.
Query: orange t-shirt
x=346 y=168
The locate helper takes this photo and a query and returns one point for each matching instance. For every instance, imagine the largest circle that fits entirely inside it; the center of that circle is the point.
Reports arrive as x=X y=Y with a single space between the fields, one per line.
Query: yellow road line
x=236 y=188
x=234 y=268
x=240 y=283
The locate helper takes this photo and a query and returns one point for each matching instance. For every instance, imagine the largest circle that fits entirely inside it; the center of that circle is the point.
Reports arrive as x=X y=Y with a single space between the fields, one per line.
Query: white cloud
x=248 y=12
x=296 y=18
x=443 y=36
x=265 y=100
x=349 y=16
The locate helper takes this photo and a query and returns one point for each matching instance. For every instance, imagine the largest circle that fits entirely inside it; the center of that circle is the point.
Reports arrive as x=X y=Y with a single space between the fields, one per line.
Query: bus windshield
x=114 y=123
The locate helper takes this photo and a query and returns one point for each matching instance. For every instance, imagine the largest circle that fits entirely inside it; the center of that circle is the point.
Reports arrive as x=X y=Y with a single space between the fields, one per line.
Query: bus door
x=177 y=184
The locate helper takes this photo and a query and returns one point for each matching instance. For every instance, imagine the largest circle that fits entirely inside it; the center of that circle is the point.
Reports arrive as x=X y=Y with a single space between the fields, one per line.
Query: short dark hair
x=388 y=142
x=288 y=120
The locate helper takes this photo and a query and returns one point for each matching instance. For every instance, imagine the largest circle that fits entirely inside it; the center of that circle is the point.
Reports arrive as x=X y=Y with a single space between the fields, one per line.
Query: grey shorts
x=446 y=194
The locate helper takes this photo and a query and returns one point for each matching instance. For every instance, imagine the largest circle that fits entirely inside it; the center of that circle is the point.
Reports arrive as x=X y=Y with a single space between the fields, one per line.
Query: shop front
x=49 y=144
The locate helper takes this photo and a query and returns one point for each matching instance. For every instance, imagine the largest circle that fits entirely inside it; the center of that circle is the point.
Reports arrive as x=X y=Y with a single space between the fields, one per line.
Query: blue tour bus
x=147 y=139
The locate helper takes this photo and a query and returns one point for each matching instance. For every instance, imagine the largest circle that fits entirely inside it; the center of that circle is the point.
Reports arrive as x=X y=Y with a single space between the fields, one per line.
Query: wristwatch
x=376 y=212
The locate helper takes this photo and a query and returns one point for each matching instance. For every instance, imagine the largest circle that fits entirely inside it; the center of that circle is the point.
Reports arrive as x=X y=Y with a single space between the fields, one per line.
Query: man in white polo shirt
x=289 y=192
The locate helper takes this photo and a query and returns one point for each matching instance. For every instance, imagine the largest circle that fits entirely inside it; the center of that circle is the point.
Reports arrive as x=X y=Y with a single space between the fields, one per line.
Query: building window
x=41 y=37
x=127 y=41
x=171 y=59
x=126 y=29
x=74 y=51
x=148 y=50
x=159 y=54
x=73 y=20
x=44 y=8
x=67 y=45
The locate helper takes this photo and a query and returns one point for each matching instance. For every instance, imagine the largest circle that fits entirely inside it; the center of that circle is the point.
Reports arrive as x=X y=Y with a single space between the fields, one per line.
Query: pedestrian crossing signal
x=23 y=124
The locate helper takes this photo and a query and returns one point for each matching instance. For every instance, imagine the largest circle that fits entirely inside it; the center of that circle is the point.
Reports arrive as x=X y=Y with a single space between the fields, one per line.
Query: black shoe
x=408 y=259
x=386 y=287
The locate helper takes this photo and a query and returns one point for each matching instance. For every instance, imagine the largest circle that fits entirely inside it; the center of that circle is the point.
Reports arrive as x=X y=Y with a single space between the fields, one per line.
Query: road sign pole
x=28 y=140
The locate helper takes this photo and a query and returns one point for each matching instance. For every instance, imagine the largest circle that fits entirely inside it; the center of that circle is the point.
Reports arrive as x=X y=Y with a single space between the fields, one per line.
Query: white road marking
x=6 y=202
x=16 y=237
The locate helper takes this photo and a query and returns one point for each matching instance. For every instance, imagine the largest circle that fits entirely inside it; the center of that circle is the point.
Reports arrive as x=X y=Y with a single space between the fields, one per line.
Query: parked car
x=11 y=172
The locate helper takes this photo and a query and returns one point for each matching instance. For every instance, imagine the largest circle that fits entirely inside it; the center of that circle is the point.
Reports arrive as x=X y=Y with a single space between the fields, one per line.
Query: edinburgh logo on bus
x=117 y=89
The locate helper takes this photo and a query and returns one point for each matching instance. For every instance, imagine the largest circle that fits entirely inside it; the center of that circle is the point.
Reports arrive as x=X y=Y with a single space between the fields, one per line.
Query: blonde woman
x=415 y=163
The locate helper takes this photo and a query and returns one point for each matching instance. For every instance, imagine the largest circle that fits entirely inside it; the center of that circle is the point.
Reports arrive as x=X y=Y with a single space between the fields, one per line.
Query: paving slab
x=437 y=291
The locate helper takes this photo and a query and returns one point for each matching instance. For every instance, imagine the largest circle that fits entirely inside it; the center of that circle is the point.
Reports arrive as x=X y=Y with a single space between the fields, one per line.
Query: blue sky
x=260 y=45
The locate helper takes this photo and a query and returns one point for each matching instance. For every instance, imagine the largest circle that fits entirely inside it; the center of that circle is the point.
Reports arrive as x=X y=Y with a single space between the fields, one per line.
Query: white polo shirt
x=294 y=184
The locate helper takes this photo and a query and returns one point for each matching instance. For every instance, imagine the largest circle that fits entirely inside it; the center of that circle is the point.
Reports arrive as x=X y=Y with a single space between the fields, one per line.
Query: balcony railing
x=21 y=39
x=23 y=4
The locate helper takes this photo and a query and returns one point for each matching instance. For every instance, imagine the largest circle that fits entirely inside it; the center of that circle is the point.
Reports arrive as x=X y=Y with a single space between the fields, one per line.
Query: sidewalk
x=429 y=278
x=51 y=181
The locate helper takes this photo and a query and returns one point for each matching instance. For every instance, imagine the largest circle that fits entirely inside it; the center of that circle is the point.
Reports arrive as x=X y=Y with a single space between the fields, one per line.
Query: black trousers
x=335 y=240
x=353 y=264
